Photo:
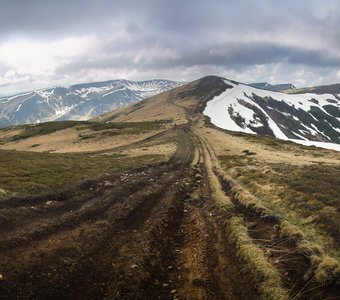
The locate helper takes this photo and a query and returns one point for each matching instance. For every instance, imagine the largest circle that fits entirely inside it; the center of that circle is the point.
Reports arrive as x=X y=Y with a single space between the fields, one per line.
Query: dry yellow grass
x=69 y=140
x=168 y=105
x=224 y=143
x=162 y=149
x=263 y=272
x=156 y=108
x=8 y=133
x=220 y=198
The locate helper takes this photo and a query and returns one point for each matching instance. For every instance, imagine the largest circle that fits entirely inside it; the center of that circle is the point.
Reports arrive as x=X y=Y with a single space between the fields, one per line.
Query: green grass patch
x=33 y=173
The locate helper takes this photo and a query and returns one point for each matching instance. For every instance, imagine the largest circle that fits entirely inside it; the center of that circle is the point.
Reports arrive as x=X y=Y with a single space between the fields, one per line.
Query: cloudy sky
x=44 y=43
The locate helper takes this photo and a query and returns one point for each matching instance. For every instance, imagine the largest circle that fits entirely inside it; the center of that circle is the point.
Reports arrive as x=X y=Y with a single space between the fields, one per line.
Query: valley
x=153 y=201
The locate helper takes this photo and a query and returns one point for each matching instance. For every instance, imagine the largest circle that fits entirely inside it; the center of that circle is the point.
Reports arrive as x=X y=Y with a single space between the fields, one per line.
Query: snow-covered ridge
x=304 y=118
x=77 y=102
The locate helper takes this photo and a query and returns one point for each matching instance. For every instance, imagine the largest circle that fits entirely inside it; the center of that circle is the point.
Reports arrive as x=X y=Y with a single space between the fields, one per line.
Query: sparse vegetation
x=28 y=172
x=108 y=129
x=303 y=197
x=43 y=128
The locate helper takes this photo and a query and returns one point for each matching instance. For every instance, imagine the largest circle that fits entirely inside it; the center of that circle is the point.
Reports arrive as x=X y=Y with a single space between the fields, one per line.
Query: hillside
x=299 y=117
x=77 y=102
x=154 y=201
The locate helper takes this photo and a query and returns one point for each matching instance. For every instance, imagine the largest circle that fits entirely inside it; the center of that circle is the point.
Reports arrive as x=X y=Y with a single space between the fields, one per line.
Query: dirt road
x=150 y=233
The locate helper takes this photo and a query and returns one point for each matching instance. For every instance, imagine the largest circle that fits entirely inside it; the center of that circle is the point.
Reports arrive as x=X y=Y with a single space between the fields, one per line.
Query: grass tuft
x=290 y=232
x=327 y=270
x=262 y=271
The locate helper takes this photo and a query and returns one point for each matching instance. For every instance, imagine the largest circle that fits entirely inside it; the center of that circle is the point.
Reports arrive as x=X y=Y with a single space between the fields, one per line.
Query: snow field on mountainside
x=224 y=108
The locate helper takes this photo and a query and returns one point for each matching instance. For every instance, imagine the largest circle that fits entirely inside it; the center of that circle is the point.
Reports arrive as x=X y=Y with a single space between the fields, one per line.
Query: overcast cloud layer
x=46 y=42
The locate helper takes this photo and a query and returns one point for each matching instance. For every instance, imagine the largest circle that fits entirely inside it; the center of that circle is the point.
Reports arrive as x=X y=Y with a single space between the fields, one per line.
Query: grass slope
x=32 y=173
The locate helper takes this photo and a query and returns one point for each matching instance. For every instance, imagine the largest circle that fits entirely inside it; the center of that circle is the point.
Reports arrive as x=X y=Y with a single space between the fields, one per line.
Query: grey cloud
x=227 y=55
x=159 y=35
x=176 y=16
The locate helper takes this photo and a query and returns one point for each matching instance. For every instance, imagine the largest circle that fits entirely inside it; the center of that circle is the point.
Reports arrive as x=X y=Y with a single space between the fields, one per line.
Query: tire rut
x=122 y=222
x=201 y=263
x=70 y=213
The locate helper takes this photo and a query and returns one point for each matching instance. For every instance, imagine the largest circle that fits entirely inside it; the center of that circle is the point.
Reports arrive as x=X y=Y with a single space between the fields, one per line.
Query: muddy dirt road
x=146 y=234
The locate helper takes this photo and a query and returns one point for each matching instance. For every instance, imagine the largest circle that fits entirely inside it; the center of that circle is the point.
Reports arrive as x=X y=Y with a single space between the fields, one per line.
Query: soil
x=136 y=235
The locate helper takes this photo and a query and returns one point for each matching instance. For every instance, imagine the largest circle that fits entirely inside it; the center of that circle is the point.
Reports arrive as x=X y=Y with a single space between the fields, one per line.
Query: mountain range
x=77 y=102
x=303 y=116
x=308 y=115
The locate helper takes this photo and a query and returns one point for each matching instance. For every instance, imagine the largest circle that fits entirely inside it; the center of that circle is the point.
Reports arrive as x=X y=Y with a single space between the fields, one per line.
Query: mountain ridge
x=282 y=87
x=77 y=102
x=301 y=116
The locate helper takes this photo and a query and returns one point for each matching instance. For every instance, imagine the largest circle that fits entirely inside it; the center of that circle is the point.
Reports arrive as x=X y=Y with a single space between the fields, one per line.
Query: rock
x=173 y=291
x=48 y=202
x=1 y=277
x=198 y=176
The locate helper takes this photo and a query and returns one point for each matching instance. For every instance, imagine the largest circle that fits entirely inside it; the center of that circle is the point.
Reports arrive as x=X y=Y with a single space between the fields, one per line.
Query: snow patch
x=224 y=108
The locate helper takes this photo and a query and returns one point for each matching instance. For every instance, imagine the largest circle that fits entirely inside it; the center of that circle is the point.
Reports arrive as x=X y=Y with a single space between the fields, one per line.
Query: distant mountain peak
x=273 y=87
x=77 y=102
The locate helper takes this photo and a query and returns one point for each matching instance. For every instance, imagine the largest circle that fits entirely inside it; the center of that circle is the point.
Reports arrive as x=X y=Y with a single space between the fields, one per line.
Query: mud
x=136 y=235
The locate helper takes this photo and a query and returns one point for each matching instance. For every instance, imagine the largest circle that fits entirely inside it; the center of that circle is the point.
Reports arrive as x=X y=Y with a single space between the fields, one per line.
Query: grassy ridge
x=43 y=128
x=105 y=128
